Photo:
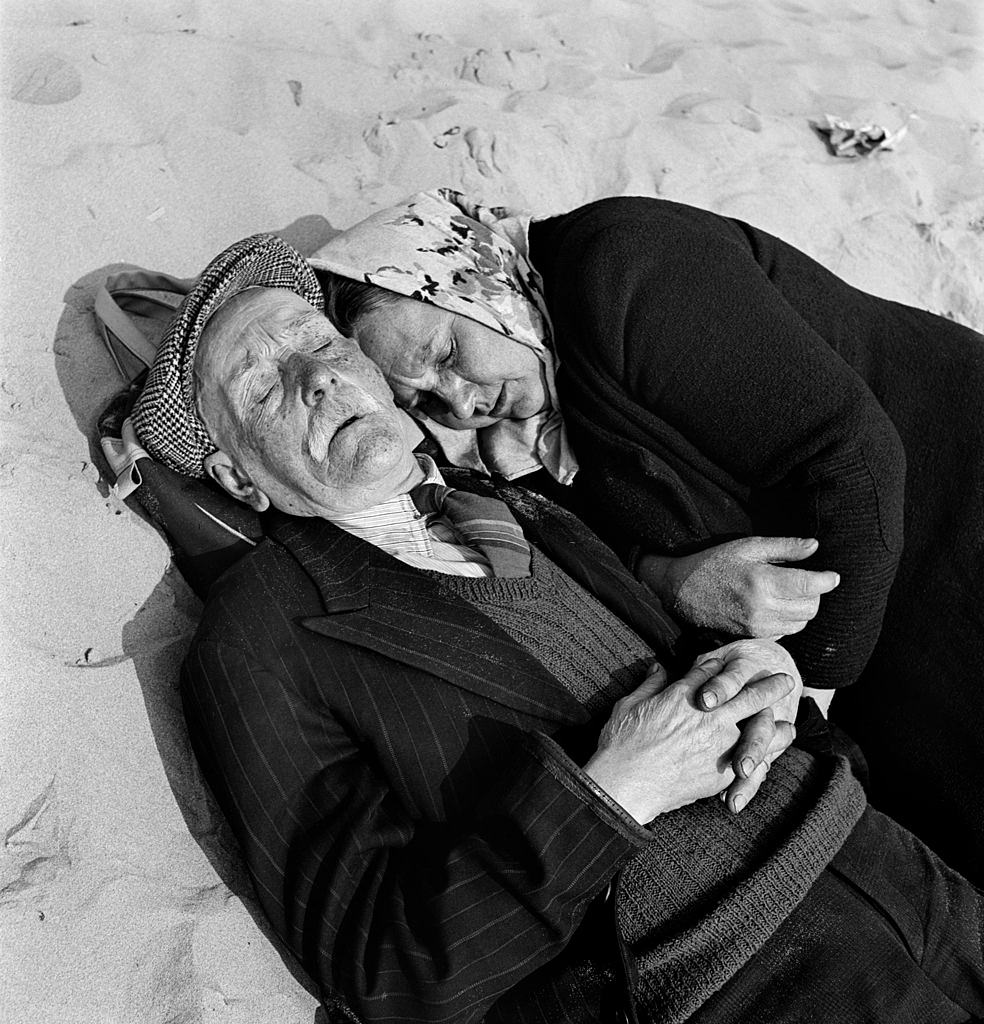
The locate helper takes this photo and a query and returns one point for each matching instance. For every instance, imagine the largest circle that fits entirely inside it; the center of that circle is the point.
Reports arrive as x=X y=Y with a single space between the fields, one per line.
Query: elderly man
x=442 y=724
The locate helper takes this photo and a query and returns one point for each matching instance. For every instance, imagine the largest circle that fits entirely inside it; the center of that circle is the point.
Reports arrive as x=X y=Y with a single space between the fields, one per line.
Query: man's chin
x=366 y=463
x=368 y=457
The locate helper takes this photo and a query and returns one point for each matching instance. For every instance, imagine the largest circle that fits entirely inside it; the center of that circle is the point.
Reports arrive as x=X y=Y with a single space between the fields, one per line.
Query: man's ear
x=220 y=468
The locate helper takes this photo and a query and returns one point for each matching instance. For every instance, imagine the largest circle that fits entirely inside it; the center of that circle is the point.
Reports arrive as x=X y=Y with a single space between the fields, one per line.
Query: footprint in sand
x=662 y=59
x=35 y=849
x=515 y=70
x=45 y=79
x=711 y=109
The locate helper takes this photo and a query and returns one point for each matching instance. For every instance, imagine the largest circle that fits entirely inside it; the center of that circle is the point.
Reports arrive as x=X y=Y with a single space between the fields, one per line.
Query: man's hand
x=736 y=588
x=659 y=750
x=745 y=661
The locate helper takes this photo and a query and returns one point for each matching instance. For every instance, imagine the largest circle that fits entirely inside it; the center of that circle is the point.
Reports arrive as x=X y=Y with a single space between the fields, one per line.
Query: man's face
x=299 y=408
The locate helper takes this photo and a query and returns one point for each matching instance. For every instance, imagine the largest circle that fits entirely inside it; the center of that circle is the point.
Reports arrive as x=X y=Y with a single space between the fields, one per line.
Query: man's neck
x=424 y=469
x=422 y=540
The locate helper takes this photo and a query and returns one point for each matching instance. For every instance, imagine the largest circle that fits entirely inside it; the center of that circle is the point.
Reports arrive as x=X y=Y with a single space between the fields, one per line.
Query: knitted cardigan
x=701 y=408
x=716 y=382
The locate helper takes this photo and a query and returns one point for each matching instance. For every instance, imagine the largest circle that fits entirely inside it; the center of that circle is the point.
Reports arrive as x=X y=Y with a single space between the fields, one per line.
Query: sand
x=156 y=134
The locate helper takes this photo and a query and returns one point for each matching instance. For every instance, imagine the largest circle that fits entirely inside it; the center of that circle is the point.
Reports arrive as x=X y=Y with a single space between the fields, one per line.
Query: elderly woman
x=718 y=406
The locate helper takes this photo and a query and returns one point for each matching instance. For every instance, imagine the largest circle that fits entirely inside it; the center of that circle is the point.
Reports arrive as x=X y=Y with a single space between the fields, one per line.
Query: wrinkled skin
x=457 y=371
x=303 y=419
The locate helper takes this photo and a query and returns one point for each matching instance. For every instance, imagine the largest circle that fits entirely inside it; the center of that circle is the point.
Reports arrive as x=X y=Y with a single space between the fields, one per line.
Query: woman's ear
x=220 y=468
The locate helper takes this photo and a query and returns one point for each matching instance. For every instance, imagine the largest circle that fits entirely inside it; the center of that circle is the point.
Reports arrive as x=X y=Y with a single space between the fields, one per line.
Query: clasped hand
x=716 y=731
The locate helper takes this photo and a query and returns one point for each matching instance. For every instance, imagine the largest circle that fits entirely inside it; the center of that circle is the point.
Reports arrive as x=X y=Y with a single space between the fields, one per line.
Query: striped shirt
x=423 y=541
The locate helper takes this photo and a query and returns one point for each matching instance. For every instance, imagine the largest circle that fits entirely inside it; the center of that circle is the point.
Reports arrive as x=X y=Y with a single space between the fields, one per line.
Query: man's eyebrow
x=244 y=365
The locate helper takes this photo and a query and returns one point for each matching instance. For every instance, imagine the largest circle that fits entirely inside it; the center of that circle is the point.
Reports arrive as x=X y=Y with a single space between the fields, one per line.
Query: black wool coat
x=716 y=382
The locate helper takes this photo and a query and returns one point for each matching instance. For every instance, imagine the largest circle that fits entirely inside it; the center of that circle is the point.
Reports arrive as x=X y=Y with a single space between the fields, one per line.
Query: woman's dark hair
x=347 y=301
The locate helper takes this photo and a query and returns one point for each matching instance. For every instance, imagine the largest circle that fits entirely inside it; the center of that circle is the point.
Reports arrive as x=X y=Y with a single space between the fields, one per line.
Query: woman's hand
x=742 y=663
x=736 y=588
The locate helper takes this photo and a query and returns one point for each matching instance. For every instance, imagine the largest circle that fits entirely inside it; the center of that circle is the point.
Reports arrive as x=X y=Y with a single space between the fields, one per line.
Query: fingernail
x=709 y=699
x=738 y=803
x=747 y=766
x=838 y=577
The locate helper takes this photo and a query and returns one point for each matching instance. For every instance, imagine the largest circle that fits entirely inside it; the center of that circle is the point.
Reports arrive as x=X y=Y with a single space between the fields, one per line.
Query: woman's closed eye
x=447 y=357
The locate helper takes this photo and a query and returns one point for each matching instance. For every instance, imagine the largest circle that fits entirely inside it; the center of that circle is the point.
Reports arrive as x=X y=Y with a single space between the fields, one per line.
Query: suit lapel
x=377 y=602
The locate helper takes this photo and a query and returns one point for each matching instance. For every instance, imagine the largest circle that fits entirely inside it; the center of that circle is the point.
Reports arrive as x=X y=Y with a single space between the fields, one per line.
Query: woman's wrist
x=656 y=572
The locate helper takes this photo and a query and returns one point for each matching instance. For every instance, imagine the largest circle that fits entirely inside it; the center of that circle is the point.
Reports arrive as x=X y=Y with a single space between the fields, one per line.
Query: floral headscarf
x=441 y=248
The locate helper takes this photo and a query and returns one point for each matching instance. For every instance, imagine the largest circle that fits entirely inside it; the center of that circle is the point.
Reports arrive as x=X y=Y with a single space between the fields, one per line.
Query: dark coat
x=389 y=760
x=717 y=383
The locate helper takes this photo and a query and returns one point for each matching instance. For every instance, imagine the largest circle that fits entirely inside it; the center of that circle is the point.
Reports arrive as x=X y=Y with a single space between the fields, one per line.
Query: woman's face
x=456 y=370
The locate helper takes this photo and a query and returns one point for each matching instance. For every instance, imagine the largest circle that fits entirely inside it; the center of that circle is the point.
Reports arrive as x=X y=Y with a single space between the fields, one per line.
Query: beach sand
x=157 y=134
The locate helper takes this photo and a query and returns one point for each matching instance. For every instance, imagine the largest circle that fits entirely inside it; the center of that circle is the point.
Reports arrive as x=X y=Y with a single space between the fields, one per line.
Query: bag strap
x=122 y=297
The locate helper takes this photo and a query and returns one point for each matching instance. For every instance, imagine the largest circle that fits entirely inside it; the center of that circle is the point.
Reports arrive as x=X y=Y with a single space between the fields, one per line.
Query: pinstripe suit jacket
x=400 y=775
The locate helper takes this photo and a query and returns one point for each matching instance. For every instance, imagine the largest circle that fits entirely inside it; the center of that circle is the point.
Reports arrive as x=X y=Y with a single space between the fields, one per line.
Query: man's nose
x=315 y=378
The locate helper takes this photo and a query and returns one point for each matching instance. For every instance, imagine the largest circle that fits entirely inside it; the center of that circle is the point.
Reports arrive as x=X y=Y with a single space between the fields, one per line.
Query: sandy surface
x=157 y=134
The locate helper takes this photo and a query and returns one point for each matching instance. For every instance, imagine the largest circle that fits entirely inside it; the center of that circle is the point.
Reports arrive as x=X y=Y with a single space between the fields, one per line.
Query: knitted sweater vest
x=588 y=650
x=702 y=899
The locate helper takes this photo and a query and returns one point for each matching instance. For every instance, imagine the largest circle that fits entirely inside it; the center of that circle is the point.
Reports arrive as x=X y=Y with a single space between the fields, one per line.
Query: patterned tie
x=483 y=523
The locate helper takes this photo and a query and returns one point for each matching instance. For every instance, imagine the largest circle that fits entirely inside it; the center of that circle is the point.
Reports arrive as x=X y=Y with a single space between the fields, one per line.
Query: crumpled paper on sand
x=846 y=140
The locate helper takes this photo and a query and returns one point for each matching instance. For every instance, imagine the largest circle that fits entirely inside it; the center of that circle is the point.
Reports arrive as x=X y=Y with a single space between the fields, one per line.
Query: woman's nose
x=460 y=399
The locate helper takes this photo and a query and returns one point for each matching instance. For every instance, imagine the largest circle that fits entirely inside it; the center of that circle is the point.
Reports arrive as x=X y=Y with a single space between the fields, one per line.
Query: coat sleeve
x=407 y=919
x=672 y=312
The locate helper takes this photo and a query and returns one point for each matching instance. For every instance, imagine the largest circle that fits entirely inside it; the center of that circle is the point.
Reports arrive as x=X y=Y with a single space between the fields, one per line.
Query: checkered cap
x=164 y=416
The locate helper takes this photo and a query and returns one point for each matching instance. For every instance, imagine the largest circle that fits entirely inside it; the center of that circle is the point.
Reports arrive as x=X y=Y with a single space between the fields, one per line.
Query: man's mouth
x=322 y=436
x=349 y=422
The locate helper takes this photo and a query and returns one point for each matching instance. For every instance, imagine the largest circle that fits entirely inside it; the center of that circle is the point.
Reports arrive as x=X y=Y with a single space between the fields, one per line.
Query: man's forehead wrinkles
x=307 y=322
x=262 y=344
x=245 y=364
